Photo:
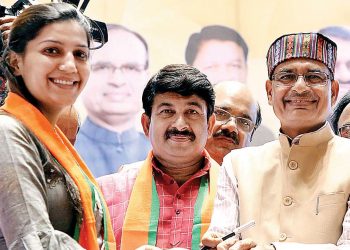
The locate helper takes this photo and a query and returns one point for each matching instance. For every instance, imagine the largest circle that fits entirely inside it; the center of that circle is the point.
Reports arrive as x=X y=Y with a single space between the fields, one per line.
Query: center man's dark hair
x=182 y=79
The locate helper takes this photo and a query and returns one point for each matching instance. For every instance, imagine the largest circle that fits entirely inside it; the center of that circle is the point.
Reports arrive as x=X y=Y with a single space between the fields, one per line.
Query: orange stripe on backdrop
x=65 y=154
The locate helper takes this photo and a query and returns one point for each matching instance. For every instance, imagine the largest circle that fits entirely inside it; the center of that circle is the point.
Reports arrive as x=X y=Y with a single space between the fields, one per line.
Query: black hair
x=181 y=79
x=258 y=120
x=213 y=32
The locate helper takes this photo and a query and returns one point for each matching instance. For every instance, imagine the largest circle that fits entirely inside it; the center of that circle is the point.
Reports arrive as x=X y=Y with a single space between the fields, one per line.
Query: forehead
x=217 y=48
x=69 y=31
x=122 y=47
x=176 y=100
x=301 y=64
x=236 y=99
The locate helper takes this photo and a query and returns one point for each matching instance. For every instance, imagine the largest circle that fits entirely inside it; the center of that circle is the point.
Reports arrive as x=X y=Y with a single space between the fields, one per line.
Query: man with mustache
x=237 y=117
x=166 y=201
x=296 y=188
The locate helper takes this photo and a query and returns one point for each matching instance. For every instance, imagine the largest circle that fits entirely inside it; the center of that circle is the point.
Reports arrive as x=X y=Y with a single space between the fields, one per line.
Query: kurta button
x=287 y=201
x=283 y=237
x=293 y=165
x=178 y=211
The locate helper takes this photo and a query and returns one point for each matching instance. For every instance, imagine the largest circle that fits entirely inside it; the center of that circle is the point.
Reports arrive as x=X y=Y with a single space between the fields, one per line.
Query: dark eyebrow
x=195 y=104
x=316 y=71
x=285 y=70
x=345 y=124
x=60 y=43
x=165 y=104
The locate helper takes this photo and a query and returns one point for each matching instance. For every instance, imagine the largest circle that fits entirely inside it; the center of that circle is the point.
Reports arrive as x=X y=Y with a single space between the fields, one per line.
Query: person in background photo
x=296 y=188
x=237 y=117
x=341 y=36
x=49 y=198
x=221 y=53
x=340 y=118
x=166 y=201
x=108 y=138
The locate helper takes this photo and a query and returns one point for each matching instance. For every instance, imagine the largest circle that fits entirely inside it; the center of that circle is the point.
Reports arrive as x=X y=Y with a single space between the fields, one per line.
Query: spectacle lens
x=242 y=123
x=344 y=131
x=311 y=79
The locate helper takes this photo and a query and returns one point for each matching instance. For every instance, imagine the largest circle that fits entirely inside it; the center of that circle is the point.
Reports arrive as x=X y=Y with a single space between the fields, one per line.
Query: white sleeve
x=226 y=206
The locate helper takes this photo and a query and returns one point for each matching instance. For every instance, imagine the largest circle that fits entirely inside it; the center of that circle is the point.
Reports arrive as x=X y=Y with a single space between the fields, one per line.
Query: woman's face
x=55 y=65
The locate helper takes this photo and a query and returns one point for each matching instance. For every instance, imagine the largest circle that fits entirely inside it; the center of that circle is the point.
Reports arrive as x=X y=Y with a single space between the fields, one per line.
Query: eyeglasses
x=344 y=131
x=242 y=123
x=312 y=79
x=127 y=69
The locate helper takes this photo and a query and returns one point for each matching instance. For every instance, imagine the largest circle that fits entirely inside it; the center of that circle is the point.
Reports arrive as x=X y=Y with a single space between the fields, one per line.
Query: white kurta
x=295 y=193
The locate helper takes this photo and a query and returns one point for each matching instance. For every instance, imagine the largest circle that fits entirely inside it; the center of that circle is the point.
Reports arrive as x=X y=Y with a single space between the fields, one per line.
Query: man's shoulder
x=118 y=184
x=132 y=167
x=125 y=172
x=344 y=142
x=340 y=147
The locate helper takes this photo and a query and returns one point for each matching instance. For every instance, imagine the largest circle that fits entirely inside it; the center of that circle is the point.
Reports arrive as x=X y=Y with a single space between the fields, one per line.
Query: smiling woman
x=49 y=198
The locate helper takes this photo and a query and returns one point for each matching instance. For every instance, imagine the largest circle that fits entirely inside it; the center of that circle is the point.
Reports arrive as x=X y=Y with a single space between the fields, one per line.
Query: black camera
x=15 y=9
x=98 y=29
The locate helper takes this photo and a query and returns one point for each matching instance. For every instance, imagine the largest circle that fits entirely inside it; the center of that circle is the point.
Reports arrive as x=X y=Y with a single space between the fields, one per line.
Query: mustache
x=226 y=133
x=176 y=132
x=305 y=95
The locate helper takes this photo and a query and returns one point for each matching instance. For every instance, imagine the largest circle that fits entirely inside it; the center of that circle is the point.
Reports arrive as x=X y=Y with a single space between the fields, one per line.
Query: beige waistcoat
x=295 y=193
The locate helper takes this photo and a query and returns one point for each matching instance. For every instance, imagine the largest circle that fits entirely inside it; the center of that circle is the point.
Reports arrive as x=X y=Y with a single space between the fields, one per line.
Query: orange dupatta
x=65 y=154
x=141 y=219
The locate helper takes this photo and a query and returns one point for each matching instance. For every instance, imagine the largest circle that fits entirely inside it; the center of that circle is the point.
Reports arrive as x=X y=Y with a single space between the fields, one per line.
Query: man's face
x=344 y=122
x=342 y=66
x=118 y=77
x=221 y=61
x=301 y=108
x=178 y=128
x=230 y=135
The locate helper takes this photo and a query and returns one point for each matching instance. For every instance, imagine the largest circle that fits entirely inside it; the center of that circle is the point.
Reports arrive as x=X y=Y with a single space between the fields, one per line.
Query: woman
x=48 y=197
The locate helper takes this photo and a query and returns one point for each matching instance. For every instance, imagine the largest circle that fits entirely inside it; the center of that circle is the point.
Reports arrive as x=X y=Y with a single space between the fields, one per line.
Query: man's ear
x=145 y=121
x=268 y=87
x=211 y=123
x=334 y=91
x=14 y=61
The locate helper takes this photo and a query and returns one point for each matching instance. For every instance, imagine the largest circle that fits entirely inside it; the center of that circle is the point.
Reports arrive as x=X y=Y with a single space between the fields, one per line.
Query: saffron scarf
x=141 y=219
x=61 y=149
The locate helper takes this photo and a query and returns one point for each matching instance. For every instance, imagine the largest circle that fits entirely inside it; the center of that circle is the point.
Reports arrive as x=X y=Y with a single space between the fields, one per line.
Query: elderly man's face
x=118 y=77
x=344 y=122
x=301 y=108
x=231 y=135
x=221 y=61
x=178 y=128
